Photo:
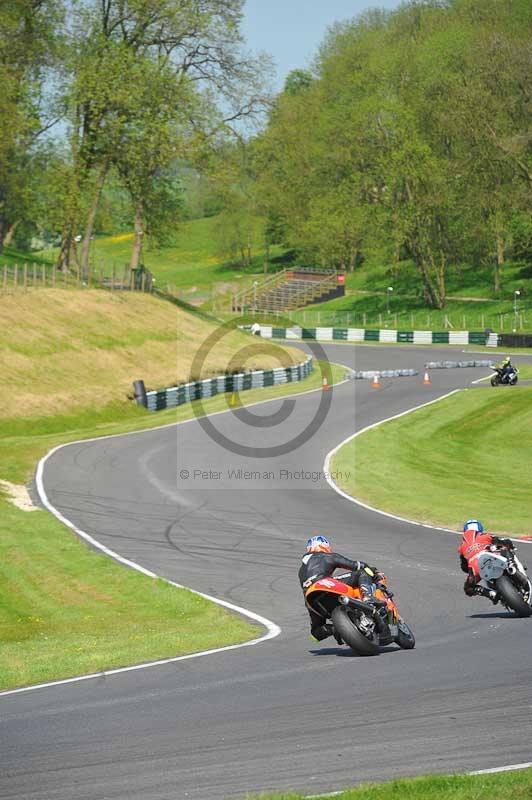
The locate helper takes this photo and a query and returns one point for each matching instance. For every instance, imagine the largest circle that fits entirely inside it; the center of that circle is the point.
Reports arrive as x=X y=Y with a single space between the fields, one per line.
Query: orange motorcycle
x=364 y=627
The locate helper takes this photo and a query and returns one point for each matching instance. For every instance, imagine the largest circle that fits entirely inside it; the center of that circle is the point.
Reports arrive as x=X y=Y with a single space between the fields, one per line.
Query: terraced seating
x=290 y=289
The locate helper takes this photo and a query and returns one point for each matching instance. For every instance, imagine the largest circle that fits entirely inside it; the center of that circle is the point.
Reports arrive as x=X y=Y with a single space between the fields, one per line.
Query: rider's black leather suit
x=315 y=566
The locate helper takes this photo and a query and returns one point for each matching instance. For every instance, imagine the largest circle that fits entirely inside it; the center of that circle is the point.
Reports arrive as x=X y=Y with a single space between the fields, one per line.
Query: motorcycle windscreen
x=491 y=566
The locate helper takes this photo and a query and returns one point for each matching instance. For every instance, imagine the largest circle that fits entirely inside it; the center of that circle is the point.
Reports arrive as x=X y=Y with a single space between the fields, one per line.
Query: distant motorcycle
x=499 y=568
x=502 y=377
x=364 y=627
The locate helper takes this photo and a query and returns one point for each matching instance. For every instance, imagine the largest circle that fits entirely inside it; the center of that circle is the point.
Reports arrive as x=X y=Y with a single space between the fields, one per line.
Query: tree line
x=409 y=138
x=105 y=106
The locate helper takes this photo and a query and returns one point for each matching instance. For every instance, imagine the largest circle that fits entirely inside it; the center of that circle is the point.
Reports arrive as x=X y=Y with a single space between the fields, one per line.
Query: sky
x=292 y=30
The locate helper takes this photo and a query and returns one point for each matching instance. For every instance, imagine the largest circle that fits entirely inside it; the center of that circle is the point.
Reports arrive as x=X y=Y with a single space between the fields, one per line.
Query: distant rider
x=320 y=562
x=506 y=367
x=474 y=542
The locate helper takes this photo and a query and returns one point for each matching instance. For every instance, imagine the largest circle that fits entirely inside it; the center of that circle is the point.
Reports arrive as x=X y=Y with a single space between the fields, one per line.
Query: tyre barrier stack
x=222 y=384
x=455 y=364
x=369 y=335
x=358 y=375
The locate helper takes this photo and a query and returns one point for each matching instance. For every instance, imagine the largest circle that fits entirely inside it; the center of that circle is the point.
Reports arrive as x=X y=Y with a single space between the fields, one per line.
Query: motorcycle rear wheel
x=352 y=636
x=512 y=597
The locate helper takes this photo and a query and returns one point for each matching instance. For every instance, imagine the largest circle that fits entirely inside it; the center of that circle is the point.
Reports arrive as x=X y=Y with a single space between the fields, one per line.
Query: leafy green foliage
x=413 y=133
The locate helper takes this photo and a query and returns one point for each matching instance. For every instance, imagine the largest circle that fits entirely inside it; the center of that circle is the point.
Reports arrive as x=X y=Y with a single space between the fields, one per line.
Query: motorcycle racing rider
x=320 y=562
x=505 y=367
x=475 y=541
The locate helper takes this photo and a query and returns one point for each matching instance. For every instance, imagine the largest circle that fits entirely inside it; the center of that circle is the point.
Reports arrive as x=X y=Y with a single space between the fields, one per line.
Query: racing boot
x=491 y=594
x=321 y=632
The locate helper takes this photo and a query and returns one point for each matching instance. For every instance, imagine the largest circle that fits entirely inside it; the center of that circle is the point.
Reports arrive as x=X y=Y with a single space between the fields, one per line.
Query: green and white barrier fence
x=239 y=382
x=371 y=335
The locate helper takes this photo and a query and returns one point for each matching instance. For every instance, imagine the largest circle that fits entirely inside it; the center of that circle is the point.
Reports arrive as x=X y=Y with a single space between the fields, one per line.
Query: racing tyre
x=494 y=381
x=512 y=597
x=352 y=636
x=405 y=637
x=513 y=381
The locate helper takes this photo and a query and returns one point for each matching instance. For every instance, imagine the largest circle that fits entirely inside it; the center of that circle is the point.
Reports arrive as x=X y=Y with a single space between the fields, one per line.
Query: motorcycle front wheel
x=512 y=597
x=494 y=381
x=345 y=626
x=405 y=637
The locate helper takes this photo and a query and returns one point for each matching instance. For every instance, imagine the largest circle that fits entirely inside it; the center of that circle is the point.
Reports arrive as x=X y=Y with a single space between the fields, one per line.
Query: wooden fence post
x=5 y=276
x=16 y=276
x=113 y=277
x=25 y=275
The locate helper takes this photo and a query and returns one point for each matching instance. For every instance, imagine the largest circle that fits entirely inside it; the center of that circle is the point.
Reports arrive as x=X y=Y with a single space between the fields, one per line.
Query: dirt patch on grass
x=18 y=495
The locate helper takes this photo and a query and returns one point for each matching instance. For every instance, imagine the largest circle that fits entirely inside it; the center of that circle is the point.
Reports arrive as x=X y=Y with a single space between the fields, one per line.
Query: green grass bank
x=506 y=786
x=466 y=456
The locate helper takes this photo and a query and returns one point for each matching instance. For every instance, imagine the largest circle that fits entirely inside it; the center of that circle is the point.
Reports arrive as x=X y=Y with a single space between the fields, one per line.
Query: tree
x=29 y=30
x=188 y=41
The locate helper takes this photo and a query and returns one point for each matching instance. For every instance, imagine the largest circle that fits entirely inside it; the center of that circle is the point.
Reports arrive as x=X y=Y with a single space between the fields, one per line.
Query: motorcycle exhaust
x=380 y=624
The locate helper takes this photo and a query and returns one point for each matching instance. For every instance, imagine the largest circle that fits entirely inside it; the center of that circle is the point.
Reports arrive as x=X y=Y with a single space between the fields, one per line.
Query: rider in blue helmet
x=320 y=562
x=473 y=525
x=476 y=540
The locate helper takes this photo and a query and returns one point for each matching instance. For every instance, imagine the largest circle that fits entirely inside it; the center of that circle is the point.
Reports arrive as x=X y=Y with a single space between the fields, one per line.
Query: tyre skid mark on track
x=273 y=630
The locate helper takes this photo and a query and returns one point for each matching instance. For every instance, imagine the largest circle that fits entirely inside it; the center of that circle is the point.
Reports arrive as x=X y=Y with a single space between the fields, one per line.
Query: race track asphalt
x=288 y=713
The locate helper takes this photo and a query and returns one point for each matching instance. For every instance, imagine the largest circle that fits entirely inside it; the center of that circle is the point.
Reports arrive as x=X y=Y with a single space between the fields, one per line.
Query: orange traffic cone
x=325 y=384
x=426 y=379
x=376 y=384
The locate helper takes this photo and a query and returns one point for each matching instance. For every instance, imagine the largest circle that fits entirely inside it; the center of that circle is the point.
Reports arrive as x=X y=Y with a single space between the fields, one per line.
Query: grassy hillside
x=65 y=350
x=193 y=267
x=449 y=462
x=196 y=271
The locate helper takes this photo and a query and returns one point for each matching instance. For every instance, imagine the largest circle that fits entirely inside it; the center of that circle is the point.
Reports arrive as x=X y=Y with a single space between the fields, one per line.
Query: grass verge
x=500 y=786
x=465 y=456
x=66 y=610
x=68 y=350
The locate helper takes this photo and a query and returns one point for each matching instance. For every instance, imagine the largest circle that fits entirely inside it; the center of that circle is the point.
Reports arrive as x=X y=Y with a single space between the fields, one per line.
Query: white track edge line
x=508 y=768
x=332 y=453
x=491 y=770
x=273 y=630
x=333 y=485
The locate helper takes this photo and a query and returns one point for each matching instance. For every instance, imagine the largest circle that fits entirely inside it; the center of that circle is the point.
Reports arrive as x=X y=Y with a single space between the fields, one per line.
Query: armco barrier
x=515 y=340
x=198 y=390
x=454 y=364
x=374 y=335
